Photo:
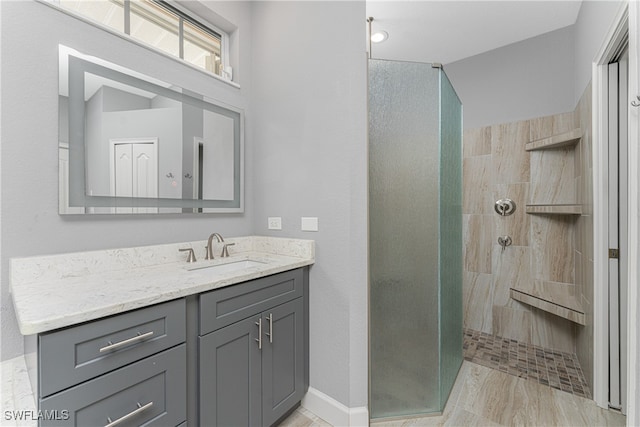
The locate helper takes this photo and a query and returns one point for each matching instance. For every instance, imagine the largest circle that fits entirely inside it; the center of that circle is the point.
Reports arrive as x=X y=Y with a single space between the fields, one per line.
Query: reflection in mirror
x=132 y=144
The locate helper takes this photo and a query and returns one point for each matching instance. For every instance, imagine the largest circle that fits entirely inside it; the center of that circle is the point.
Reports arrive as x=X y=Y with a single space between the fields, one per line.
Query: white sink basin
x=229 y=267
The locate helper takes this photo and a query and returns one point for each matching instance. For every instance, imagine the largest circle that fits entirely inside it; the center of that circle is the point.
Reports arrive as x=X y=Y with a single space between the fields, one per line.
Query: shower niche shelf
x=567 y=139
x=554 y=209
x=554 y=297
x=563 y=140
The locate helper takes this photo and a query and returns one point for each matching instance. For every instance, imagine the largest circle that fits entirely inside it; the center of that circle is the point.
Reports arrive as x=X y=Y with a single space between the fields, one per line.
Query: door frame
x=633 y=316
x=626 y=18
x=197 y=141
x=617 y=144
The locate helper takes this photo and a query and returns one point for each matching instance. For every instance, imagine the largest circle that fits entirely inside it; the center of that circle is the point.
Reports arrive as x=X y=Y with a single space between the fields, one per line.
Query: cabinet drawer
x=149 y=392
x=228 y=305
x=79 y=353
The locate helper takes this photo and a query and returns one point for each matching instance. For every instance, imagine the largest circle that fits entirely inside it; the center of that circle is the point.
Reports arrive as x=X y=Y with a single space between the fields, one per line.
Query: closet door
x=144 y=173
x=134 y=172
x=618 y=230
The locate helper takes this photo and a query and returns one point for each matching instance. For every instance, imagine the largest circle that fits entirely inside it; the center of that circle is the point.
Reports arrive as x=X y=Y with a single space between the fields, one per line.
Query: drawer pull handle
x=139 y=337
x=129 y=415
x=259 y=339
x=270 y=334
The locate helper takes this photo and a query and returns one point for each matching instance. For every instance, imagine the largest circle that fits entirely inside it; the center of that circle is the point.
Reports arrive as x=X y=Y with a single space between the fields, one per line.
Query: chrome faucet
x=191 y=256
x=225 y=251
x=219 y=238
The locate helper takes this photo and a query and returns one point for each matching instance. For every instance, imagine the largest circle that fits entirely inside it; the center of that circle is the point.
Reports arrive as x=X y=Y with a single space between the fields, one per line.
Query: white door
x=618 y=230
x=134 y=171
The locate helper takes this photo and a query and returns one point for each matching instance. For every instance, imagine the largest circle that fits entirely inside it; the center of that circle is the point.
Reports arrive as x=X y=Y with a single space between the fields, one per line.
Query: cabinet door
x=282 y=360
x=230 y=373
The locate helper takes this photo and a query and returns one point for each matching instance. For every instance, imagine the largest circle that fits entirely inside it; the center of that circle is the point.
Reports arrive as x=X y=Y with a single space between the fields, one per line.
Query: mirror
x=129 y=143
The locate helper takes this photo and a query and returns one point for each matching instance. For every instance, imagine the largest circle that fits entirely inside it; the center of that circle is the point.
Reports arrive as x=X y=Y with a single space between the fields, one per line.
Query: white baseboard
x=334 y=412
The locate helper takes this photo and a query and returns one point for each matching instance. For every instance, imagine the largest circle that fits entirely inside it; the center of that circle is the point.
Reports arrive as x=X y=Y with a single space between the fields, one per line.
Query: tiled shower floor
x=548 y=367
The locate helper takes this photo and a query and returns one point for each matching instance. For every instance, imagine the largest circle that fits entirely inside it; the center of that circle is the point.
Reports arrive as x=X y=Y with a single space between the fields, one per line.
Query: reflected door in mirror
x=134 y=171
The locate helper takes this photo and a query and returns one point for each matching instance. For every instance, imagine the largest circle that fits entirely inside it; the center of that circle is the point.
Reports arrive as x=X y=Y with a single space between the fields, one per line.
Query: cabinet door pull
x=114 y=346
x=270 y=334
x=129 y=415
x=259 y=339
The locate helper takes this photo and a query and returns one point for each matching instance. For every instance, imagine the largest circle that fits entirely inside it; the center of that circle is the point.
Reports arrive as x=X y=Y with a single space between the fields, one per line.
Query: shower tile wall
x=551 y=248
x=583 y=244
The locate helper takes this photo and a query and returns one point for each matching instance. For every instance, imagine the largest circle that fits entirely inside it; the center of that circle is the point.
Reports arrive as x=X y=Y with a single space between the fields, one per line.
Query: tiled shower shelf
x=567 y=139
x=554 y=297
x=555 y=209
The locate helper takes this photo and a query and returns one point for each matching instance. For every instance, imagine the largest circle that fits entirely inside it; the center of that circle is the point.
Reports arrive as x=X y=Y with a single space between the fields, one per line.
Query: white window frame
x=224 y=36
x=224 y=48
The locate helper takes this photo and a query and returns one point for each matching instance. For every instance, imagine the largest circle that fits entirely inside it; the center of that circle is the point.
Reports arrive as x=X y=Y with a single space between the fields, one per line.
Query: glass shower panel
x=415 y=233
x=403 y=213
x=450 y=236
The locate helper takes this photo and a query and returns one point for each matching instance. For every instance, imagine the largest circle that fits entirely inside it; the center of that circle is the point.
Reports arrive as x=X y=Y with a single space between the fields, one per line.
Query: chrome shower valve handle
x=505 y=207
x=504 y=241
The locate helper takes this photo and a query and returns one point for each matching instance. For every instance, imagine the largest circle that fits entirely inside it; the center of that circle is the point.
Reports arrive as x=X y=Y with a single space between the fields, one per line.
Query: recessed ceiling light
x=379 y=37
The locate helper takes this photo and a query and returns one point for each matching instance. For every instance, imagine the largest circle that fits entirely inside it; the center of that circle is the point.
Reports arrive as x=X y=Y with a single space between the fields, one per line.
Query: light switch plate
x=309 y=223
x=274 y=223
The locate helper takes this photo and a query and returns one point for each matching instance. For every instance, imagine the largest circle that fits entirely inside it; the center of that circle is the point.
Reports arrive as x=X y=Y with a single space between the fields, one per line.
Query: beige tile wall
x=552 y=248
x=583 y=236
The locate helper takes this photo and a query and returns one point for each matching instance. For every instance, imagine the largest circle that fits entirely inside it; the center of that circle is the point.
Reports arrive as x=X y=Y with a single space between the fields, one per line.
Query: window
x=160 y=25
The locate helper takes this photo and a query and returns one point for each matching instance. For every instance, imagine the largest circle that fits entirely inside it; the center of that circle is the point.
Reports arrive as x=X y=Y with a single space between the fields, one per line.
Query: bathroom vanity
x=135 y=336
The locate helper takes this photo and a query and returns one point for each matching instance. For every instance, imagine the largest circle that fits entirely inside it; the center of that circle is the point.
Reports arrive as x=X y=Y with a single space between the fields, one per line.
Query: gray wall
x=593 y=22
x=540 y=76
x=29 y=137
x=120 y=100
x=192 y=126
x=523 y=80
x=98 y=165
x=308 y=107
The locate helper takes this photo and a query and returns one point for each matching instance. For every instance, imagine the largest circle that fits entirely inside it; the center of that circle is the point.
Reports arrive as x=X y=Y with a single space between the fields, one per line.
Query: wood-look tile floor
x=483 y=396
x=303 y=418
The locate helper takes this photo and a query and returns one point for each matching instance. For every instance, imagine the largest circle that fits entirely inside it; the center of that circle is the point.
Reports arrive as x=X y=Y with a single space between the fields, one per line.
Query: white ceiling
x=446 y=31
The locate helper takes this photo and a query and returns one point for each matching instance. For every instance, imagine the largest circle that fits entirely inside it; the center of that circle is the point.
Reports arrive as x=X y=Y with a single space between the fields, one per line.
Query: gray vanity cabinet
x=128 y=369
x=253 y=371
x=234 y=356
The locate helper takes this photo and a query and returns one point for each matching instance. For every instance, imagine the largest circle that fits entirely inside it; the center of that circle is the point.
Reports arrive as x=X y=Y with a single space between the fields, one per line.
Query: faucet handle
x=225 y=252
x=191 y=256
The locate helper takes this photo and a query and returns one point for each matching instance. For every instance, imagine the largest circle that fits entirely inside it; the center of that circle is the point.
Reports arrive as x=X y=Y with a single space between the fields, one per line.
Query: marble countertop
x=56 y=291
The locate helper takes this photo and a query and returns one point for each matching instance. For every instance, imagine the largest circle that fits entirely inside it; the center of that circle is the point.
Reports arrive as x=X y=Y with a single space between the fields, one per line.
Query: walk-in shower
x=415 y=232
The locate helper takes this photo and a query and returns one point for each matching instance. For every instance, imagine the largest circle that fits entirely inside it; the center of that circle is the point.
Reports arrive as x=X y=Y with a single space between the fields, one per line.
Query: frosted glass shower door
x=415 y=246
x=450 y=237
